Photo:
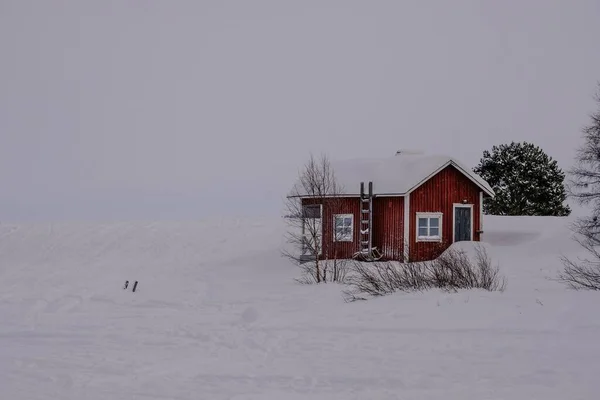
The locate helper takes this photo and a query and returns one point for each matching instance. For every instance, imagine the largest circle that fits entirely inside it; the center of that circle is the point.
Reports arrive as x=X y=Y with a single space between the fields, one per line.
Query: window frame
x=429 y=216
x=471 y=223
x=334 y=230
x=305 y=207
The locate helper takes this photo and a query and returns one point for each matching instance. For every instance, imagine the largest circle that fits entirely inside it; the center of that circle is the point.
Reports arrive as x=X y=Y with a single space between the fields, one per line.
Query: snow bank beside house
x=217 y=315
x=470 y=249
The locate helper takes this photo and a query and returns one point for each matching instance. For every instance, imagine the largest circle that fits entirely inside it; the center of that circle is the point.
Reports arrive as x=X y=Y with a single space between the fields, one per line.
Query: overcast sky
x=176 y=109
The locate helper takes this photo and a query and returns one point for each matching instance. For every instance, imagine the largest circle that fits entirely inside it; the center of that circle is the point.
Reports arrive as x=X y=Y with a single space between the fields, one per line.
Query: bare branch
x=585 y=188
x=452 y=271
x=315 y=195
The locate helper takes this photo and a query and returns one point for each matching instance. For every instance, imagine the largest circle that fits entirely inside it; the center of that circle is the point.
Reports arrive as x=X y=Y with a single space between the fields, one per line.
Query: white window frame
x=343 y=239
x=461 y=205
x=429 y=215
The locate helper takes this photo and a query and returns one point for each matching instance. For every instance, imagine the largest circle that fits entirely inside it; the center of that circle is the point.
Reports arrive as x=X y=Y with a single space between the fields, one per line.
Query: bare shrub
x=381 y=278
x=454 y=270
x=451 y=271
x=584 y=274
x=489 y=276
x=330 y=270
x=339 y=269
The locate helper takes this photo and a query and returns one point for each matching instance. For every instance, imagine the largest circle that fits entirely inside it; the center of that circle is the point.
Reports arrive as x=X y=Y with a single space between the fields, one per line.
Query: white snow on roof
x=397 y=174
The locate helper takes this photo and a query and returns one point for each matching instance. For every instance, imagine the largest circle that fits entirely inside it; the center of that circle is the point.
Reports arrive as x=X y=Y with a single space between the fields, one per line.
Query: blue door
x=462 y=223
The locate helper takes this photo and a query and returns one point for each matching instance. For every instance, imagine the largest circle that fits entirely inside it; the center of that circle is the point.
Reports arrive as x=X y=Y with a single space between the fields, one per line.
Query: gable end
x=458 y=168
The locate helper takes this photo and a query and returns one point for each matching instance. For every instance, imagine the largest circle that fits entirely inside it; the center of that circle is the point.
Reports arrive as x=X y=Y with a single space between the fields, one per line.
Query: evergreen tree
x=526 y=181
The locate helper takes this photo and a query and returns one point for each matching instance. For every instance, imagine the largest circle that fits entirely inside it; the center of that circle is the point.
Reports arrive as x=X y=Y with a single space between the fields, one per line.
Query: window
x=429 y=227
x=343 y=227
x=312 y=211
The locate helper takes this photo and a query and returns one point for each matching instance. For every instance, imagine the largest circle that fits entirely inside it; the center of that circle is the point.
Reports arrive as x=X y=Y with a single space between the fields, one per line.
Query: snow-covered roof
x=395 y=175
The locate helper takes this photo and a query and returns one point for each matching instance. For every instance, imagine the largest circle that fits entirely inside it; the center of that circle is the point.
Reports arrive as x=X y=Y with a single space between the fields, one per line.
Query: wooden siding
x=339 y=250
x=388 y=231
x=439 y=194
x=388 y=227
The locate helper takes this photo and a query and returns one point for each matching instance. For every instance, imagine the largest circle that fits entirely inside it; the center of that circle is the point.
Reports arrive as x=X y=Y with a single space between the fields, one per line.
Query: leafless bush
x=338 y=269
x=489 y=275
x=381 y=278
x=330 y=270
x=452 y=271
x=584 y=274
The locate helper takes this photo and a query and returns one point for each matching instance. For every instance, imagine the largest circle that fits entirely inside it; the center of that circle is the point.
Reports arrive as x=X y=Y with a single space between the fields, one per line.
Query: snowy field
x=217 y=315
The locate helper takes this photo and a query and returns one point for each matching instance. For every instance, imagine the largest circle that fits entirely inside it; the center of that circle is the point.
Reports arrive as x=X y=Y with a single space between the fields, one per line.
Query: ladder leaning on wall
x=367 y=252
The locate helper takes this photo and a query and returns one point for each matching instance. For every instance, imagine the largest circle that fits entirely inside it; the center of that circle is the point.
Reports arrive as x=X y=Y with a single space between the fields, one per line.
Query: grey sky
x=162 y=109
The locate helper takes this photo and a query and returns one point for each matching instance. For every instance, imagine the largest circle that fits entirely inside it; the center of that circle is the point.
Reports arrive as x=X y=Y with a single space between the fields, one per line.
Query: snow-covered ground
x=217 y=315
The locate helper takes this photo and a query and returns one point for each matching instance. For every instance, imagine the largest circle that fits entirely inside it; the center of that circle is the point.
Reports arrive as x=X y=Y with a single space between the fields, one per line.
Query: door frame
x=454 y=207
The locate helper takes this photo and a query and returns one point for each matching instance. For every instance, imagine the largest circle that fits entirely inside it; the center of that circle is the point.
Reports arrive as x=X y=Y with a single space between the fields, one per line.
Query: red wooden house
x=408 y=207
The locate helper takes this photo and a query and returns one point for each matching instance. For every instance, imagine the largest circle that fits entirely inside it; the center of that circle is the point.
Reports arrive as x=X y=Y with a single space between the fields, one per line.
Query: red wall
x=333 y=249
x=388 y=232
x=438 y=195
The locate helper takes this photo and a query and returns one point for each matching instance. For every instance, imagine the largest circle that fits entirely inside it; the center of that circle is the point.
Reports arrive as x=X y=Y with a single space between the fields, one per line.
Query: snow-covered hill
x=217 y=315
